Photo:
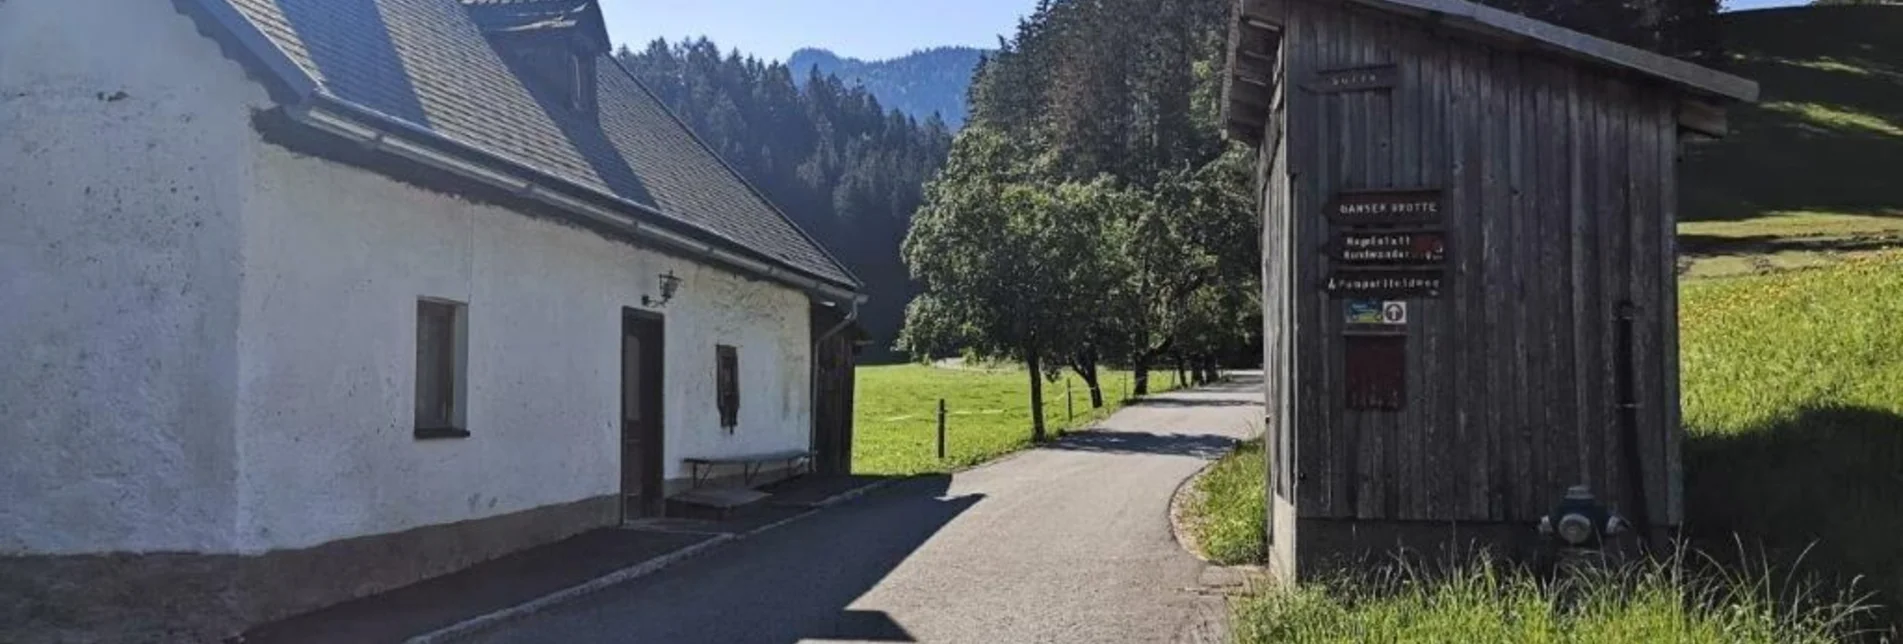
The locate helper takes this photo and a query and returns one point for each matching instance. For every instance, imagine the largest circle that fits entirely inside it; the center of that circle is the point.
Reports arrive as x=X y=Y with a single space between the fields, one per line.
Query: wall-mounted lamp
x=669 y=284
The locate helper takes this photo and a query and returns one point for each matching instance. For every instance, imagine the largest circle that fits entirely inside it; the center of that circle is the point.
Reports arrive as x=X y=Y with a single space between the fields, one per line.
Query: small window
x=578 y=83
x=439 y=369
x=727 y=381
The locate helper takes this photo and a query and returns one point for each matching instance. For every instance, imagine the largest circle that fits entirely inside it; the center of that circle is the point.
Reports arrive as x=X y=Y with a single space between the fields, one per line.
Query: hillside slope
x=1828 y=135
x=920 y=84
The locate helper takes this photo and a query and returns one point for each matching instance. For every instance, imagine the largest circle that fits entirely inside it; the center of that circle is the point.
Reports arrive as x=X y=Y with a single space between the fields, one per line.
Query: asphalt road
x=1068 y=543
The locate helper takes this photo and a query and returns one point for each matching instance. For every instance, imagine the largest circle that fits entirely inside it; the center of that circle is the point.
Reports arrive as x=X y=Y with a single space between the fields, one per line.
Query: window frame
x=727 y=385
x=453 y=423
x=577 y=83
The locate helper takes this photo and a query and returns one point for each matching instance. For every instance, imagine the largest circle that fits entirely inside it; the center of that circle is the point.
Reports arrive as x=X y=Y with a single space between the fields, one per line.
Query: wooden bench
x=750 y=465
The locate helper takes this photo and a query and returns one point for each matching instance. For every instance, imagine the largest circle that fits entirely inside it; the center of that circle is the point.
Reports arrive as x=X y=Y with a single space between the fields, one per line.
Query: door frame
x=654 y=442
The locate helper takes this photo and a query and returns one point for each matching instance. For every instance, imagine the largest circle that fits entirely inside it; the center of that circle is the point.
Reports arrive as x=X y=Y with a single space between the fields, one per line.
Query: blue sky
x=1760 y=4
x=869 y=29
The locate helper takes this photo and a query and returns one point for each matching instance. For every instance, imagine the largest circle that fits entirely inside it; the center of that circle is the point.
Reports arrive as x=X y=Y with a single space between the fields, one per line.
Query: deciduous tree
x=1007 y=261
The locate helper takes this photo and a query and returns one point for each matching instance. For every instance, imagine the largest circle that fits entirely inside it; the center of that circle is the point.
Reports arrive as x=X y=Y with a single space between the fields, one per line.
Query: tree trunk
x=1085 y=364
x=1182 y=378
x=1140 y=377
x=1096 y=392
x=1037 y=396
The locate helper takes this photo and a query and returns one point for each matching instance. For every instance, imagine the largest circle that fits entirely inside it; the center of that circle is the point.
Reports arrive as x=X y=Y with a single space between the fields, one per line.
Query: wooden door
x=641 y=418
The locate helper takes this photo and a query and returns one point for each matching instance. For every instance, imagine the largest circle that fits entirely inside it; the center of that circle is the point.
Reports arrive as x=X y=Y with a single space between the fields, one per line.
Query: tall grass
x=1227 y=507
x=1793 y=389
x=1485 y=600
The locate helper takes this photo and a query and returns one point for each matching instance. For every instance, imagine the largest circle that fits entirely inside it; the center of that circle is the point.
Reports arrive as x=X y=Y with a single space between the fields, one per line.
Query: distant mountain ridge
x=921 y=83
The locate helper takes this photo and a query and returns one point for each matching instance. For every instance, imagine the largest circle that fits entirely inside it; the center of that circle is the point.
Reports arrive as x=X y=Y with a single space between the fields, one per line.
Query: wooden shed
x=1469 y=269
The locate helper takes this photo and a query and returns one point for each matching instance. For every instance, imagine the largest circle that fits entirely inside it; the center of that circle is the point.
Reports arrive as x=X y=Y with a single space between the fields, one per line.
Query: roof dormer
x=553 y=44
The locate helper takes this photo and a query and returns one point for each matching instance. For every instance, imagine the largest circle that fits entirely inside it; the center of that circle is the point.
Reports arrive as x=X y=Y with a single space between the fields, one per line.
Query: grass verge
x=895 y=417
x=1793 y=387
x=1227 y=508
x=1485 y=601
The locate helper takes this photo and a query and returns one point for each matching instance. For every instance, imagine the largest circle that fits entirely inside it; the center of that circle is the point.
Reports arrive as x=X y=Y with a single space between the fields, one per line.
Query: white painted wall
x=208 y=340
x=122 y=166
x=334 y=261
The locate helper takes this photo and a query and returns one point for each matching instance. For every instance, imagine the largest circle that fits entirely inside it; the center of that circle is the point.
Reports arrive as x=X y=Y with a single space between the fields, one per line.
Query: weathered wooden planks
x=1320 y=481
x=1616 y=218
x=1556 y=186
x=1668 y=395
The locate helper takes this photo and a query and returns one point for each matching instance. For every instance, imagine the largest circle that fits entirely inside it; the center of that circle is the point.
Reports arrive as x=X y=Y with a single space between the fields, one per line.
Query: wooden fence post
x=941 y=429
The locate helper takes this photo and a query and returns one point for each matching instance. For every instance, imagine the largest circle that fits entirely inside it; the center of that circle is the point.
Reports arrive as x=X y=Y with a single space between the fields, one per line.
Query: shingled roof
x=425 y=66
x=1257 y=31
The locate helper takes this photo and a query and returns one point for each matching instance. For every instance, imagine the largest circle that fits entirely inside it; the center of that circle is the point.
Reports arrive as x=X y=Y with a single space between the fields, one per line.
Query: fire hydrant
x=1580 y=521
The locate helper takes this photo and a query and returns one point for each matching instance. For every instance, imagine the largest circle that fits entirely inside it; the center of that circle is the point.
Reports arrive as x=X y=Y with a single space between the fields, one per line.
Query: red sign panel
x=1376 y=375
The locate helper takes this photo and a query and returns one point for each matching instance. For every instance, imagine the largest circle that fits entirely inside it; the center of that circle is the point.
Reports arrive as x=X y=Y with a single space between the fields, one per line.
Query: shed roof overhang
x=1258 y=26
x=1249 y=90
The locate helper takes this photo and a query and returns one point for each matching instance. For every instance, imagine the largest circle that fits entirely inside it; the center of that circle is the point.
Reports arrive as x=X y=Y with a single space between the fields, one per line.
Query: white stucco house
x=310 y=299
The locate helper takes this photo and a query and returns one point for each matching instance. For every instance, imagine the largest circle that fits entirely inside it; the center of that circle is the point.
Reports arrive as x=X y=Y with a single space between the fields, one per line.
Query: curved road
x=1067 y=543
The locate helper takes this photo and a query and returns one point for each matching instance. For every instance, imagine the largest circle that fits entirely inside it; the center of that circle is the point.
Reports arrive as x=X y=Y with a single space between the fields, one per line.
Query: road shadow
x=1825 y=485
x=1204 y=446
x=793 y=583
x=869 y=626
x=1196 y=402
x=816 y=490
x=1244 y=382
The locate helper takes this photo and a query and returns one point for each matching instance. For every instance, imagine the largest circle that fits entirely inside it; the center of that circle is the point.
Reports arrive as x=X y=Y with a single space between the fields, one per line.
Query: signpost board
x=1385 y=284
x=1424 y=247
x=1385 y=207
x=1377 y=313
x=1355 y=79
x=1388 y=248
x=1388 y=244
